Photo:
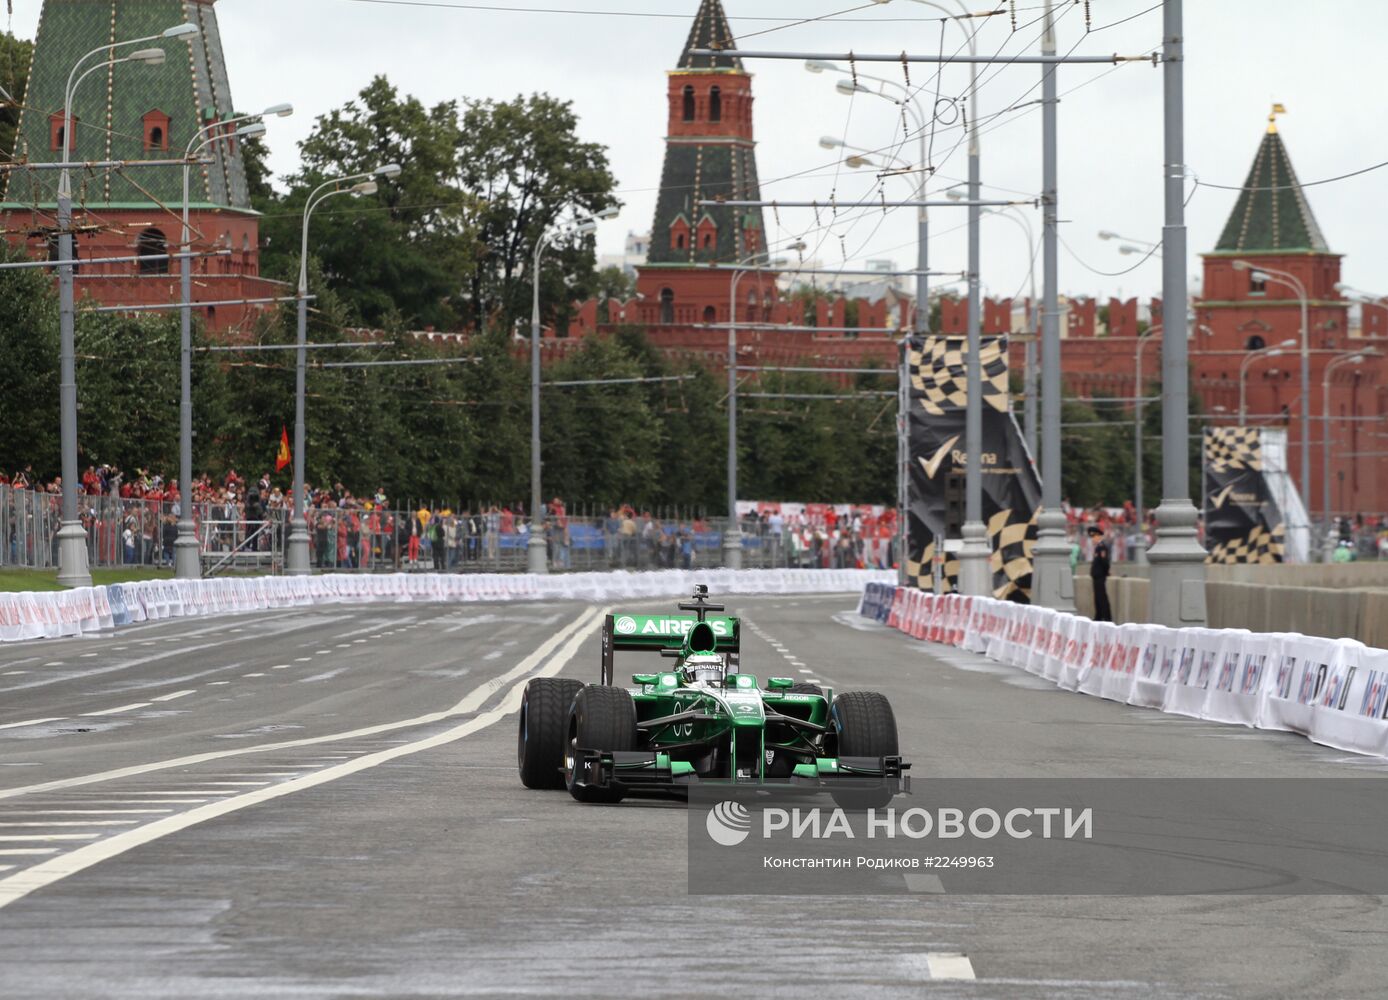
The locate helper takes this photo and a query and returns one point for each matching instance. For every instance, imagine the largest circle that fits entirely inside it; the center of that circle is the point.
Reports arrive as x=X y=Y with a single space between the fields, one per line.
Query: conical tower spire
x=710 y=31
x=1272 y=214
x=132 y=111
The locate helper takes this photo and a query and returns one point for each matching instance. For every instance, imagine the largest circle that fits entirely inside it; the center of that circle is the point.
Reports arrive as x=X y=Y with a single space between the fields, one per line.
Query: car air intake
x=702 y=639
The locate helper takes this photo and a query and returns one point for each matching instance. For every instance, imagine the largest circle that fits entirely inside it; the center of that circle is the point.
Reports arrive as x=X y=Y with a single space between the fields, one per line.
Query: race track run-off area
x=324 y=802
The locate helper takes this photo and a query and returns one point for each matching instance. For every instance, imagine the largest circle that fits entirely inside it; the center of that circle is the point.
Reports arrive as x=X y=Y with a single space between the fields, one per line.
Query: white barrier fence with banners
x=1333 y=691
x=31 y=615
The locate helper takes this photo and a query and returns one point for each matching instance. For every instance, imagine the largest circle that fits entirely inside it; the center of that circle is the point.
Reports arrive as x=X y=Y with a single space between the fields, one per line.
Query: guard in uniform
x=1098 y=572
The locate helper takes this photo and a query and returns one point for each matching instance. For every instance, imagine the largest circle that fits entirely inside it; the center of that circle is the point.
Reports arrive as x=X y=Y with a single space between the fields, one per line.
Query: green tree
x=525 y=161
x=393 y=257
x=15 y=54
x=29 y=372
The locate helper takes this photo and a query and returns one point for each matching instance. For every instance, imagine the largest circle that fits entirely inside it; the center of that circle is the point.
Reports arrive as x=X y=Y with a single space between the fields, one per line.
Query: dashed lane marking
x=87 y=812
x=11 y=852
x=73 y=822
x=32 y=722
x=252 y=675
x=303 y=659
x=119 y=709
x=470 y=703
x=176 y=695
x=280 y=666
x=949 y=965
x=31 y=838
x=552 y=656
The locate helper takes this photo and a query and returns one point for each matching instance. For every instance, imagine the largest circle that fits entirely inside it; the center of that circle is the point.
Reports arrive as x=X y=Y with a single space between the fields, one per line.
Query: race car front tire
x=864 y=726
x=805 y=687
x=604 y=719
x=544 y=718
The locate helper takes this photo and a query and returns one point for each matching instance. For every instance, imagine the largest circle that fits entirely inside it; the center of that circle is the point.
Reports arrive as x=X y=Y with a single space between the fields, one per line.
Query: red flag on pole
x=283 y=458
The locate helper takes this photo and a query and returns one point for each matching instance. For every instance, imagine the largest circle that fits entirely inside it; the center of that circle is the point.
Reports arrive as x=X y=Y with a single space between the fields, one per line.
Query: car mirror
x=643 y=679
x=779 y=683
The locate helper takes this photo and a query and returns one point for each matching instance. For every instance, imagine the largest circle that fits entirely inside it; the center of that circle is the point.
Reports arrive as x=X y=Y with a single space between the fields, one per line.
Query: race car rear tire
x=864 y=726
x=544 y=718
x=602 y=718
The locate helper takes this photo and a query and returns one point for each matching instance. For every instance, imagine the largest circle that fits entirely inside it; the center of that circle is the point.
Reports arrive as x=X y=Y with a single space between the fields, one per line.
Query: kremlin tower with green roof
x=133 y=112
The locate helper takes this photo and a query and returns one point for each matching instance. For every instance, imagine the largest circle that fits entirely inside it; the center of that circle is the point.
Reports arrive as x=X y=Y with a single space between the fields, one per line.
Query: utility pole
x=1177 y=588
x=1053 y=584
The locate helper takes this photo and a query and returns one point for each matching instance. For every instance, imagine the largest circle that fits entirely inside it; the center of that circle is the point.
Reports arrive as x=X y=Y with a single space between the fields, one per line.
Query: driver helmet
x=704 y=668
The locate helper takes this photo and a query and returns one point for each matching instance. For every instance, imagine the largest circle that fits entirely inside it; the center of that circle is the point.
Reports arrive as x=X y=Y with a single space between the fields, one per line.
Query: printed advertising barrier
x=1332 y=691
x=91 y=609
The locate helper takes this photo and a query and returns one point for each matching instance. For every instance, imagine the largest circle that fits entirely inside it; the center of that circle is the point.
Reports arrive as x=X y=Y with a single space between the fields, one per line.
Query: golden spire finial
x=1277 y=109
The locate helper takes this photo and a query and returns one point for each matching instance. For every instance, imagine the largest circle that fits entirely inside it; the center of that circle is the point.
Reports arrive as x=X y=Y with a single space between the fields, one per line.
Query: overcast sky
x=1317 y=59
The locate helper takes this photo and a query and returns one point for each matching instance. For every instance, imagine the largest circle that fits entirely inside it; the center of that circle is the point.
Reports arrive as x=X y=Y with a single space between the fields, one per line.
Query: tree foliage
x=15 y=54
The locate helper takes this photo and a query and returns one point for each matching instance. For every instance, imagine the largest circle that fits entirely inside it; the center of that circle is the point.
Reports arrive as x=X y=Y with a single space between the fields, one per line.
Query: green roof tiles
x=710 y=31
x=191 y=88
x=1271 y=213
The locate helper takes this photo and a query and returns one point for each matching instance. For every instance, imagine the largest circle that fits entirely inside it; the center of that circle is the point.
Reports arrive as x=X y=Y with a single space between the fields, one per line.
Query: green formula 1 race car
x=701 y=719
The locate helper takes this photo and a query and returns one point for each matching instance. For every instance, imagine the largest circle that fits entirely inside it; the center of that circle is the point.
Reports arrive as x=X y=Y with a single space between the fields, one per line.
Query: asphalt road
x=324 y=803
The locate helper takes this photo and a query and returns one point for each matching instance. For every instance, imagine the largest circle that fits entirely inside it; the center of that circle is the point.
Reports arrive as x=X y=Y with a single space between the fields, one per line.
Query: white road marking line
x=54 y=663
x=117 y=711
x=176 y=695
x=15 y=673
x=5 y=868
x=75 y=822
x=943 y=964
x=32 y=722
x=471 y=703
x=358 y=640
x=303 y=659
x=86 y=812
x=322 y=652
x=21 y=884
x=30 y=838
x=10 y=852
x=252 y=675
x=804 y=670
x=248 y=784
x=171 y=794
x=814 y=680
x=217 y=683
x=280 y=666
x=87 y=656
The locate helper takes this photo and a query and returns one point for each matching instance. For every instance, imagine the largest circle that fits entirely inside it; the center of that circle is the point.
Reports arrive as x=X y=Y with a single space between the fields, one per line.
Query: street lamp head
x=1357 y=359
x=610 y=212
x=1274 y=352
x=829 y=142
x=184 y=30
x=954 y=194
x=1127 y=248
x=857 y=162
x=389 y=171
x=586 y=227
x=365 y=188
x=252 y=131
x=1262 y=276
x=150 y=57
x=1242 y=265
x=278 y=111
x=799 y=246
x=849 y=87
x=1104 y=234
x=1289 y=342
x=820 y=66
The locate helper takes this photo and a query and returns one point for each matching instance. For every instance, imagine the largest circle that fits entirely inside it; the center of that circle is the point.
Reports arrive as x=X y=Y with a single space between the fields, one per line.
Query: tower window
x=156 y=127
x=710 y=314
x=689 y=104
x=667 y=305
x=1256 y=343
x=679 y=241
x=152 y=243
x=56 y=131
x=708 y=241
x=715 y=105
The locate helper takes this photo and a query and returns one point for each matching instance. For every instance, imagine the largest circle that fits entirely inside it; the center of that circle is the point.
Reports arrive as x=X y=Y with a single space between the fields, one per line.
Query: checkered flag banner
x=940 y=378
x=1261 y=548
x=1233 y=448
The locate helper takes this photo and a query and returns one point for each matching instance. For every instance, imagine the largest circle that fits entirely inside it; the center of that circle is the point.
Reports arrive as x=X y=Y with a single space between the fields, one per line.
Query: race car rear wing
x=661 y=633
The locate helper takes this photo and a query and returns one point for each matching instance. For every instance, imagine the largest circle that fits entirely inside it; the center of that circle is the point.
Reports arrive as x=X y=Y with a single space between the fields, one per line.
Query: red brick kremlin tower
x=1272 y=226
x=709 y=153
x=133 y=112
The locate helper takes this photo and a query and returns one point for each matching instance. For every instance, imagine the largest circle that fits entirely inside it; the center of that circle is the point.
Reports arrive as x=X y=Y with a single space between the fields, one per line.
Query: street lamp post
x=73 y=567
x=1139 y=545
x=296 y=561
x=1267 y=352
x=1348 y=358
x=536 y=552
x=187 y=561
x=1288 y=280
